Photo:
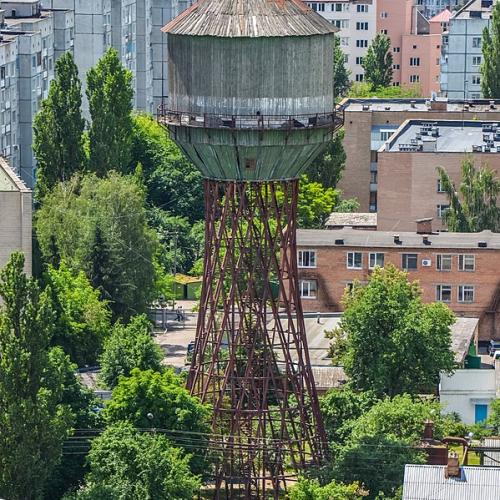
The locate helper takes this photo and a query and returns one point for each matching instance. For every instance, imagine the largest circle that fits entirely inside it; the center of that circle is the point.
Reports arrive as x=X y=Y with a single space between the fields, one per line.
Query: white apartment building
x=462 y=52
x=357 y=22
x=430 y=8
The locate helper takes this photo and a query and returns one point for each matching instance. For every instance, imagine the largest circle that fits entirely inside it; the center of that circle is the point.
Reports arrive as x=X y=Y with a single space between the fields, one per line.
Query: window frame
x=439 y=262
x=406 y=268
x=354 y=260
x=310 y=289
x=439 y=293
x=376 y=254
x=462 y=265
x=300 y=257
x=460 y=294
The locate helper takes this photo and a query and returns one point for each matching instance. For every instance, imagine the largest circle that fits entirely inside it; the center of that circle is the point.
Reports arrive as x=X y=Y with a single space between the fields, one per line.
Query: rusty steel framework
x=251 y=362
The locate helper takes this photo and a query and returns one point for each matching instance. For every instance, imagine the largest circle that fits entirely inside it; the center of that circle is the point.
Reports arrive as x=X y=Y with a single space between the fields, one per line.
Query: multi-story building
x=458 y=269
x=369 y=123
x=462 y=51
x=409 y=186
x=15 y=220
x=9 y=115
x=430 y=8
x=64 y=31
x=415 y=43
x=357 y=22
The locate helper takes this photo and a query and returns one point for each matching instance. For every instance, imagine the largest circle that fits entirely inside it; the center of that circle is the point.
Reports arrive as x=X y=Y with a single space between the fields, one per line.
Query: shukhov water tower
x=251 y=104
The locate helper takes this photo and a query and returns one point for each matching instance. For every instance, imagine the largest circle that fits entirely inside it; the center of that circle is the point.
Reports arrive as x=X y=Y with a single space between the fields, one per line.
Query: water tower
x=251 y=105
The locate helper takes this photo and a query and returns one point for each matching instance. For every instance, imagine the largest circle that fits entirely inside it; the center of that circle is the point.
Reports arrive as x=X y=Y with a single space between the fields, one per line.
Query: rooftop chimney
x=428 y=429
x=397 y=240
x=453 y=466
x=424 y=226
x=439 y=104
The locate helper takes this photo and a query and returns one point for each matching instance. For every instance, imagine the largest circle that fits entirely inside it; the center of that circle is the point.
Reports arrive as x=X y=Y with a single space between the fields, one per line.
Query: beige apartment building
x=409 y=187
x=15 y=216
x=369 y=123
x=459 y=269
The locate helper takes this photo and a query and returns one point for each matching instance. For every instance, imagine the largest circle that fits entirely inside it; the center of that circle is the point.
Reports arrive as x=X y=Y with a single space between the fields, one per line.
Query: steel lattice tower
x=251 y=104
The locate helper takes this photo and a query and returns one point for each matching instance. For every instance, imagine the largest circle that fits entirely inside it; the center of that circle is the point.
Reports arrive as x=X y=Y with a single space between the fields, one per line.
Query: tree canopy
x=58 y=129
x=129 y=346
x=394 y=342
x=490 y=66
x=110 y=93
x=99 y=226
x=473 y=206
x=364 y=90
x=128 y=464
x=378 y=62
x=310 y=489
x=341 y=81
x=33 y=420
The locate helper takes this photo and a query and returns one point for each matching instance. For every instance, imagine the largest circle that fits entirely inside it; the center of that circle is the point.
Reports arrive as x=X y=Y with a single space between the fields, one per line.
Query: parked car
x=496 y=355
x=493 y=346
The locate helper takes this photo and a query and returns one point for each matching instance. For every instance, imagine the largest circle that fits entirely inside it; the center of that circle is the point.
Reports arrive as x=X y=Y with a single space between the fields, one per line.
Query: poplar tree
x=33 y=422
x=110 y=93
x=490 y=68
x=378 y=62
x=341 y=81
x=58 y=128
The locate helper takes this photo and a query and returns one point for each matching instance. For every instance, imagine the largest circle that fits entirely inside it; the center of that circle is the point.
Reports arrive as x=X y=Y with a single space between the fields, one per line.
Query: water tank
x=250 y=87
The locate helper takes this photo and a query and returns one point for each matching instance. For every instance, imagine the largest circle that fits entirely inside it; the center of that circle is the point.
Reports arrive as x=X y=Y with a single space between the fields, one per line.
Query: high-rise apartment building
x=430 y=8
x=357 y=22
x=462 y=52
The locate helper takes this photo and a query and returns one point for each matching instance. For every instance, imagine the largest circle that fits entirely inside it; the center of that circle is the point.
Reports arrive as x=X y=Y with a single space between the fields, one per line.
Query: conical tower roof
x=249 y=18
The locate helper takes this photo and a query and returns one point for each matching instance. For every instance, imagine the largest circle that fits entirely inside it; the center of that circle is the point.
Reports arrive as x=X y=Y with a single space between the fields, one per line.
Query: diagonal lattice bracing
x=251 y=361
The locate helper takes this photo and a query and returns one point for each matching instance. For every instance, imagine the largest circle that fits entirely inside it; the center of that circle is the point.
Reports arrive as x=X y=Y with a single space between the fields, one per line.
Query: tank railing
x=249 y=122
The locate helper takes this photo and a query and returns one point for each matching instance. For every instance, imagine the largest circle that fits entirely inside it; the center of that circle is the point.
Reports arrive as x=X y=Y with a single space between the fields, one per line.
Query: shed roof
x=351 y=219
x=429 y=481
x=249 y=18
x=9 y=181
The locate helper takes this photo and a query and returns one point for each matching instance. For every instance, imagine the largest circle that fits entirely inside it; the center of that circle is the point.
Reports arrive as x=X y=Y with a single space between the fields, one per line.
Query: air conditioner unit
x=426 y=263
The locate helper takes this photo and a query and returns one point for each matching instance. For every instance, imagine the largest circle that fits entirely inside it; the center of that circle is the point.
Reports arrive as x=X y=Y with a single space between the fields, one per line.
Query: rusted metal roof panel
x=249 y=18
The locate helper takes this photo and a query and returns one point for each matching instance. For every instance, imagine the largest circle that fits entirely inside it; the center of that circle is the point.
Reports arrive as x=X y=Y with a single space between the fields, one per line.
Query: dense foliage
x=364 y=90
x=378 y=62
x=129 y=346
x=310 y=489
x=394 y=342
x=99 y=226
x=490 y=67
x=473 y=206
x=341 y=74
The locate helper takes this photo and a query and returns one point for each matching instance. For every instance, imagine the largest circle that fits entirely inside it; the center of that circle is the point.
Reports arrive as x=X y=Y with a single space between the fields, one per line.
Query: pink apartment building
x=415 y=43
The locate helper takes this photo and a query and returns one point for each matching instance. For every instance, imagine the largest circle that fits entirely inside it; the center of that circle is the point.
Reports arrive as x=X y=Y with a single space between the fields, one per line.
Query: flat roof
x=348 y=237
x=420 y=105
x=351 y=219
x=445 y=136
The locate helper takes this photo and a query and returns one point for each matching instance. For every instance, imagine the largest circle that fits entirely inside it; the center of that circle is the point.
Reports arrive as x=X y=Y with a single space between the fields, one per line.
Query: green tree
x=473 y=207
x=99 y=226
x=315 y=204
x=378 y=62
x=327 y=168
x=33 y=421
x=110 y=93
x=490 y=67
x=364 y=90
x=149 y=399
x=395 y=342
x=128 y=464
x=341 y=81
x=58 y=129
x=82 y=320
x=494 y=418
x=128 y=347
x=173 y=183
x=310 y=489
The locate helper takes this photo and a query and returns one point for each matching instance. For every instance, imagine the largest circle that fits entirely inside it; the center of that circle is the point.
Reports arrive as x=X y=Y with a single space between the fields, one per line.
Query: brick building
x=408 y=182
x=460 y=269
x=15 y=216
x=369 y=123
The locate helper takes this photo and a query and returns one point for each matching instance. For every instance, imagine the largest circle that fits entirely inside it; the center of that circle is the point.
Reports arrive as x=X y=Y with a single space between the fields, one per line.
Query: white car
x=496 y=354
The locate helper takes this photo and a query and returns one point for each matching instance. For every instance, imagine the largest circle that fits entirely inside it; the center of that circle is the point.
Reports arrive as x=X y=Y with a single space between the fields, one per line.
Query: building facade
x=16 y=215
x=357 y=22
x=369 y=123
x=458 y=269
x=409 y=187
x=462 y=50
x=430 y=8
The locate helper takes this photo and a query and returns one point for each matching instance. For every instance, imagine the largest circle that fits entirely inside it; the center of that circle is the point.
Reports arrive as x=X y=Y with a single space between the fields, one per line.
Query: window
x=344 y=41
x=307 y=258
x=440 y=188
x=466 y=262
x=354 y=260
x=362 y=8
x=376 y=259
x=396 y=49
x=359 y=77
x=414 y=61
x=384 y=32
x=409 y=261
x=443 y=263
x=441 y=211
x=373 y=177
x=476 y=42
x=476 y=61
x=395 y=66
x=414 y=46
x=362 y=44
x=466 y=293
x=476 y=80
x=385 y=134
x=383 y=15
x=443 y=293
x=341 y=23
x=308 y=289
x=414 y=78
x=362 y=26
x=359 y=60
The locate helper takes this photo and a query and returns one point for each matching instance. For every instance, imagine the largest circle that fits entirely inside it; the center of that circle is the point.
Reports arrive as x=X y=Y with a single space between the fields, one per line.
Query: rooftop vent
x=425 y=239
x=397 y=240
x=339 y=242
x=482 y=244
x=413 y=104
x=387 y=108
x=492 y=105
x=366 y=107
x=477 y=149
x=453 y=466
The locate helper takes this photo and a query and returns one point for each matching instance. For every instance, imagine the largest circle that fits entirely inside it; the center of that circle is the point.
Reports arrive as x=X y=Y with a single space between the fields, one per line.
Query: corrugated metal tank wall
x=242 y=76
